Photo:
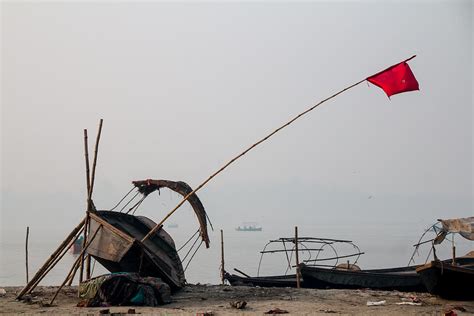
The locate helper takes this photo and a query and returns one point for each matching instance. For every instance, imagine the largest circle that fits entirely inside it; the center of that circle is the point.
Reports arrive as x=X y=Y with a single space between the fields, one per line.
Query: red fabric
x=395 y=79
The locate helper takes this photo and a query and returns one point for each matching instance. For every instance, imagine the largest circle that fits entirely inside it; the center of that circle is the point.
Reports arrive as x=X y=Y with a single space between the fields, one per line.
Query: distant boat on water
x=249 y=227
x=172 y=225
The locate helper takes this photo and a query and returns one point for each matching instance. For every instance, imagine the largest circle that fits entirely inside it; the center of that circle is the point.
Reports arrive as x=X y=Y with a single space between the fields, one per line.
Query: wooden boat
x=451 y=279
x=118 y=245
x=403 y=279
x=306 y=245
x=448 y=280
x=118 y=248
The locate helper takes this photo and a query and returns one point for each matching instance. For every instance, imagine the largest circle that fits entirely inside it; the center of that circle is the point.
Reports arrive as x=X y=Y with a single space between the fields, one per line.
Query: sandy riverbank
x=196 y=299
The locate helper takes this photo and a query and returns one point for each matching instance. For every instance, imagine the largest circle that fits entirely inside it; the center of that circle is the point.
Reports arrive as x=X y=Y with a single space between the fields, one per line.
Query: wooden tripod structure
x=82 y=227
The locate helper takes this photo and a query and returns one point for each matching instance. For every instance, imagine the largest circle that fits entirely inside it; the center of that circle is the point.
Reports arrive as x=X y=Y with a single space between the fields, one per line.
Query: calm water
x=384 y=246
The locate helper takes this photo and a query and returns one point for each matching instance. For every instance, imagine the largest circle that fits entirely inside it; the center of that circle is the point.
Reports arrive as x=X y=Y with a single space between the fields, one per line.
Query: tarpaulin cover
x=462 y=226
x=124 y=289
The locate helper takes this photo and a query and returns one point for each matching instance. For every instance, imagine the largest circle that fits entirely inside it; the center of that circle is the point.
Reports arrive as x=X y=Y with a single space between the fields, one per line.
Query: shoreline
x=216 y=299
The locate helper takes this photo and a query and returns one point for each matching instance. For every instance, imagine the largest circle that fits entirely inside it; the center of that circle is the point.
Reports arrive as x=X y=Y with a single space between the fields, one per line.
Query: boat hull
x=118 y=248
x=400 y=279
x=447 y=280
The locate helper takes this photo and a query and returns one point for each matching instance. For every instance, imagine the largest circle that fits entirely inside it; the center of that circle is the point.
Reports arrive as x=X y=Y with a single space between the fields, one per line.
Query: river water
x=383 y=246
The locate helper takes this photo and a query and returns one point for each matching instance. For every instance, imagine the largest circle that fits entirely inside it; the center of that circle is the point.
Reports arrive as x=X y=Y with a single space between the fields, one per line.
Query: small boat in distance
x=172 y=225
x=249 y=227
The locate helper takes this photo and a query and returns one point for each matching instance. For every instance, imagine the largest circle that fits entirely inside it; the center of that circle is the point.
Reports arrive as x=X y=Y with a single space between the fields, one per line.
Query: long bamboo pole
x=94 y=163
x=75 y=264
x=88 y=185
x=86 y=156
x=152 y=231
x=90 y=190
x=157 y=226
x=26 y=252
x=50 y=259
x=69 y=283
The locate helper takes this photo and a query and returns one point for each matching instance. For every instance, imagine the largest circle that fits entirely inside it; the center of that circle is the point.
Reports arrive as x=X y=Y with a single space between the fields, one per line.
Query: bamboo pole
x=222 y=257
x=157 y=226
x=53 y=264
x=86 y=156
x=152 y=231
x=88 y=185
x=69 y=283
x=75 y=264
x=81 y=263
x=90 y=190
x=94 y=164
x=297 y=257
x=50 y=259
x=26 y=252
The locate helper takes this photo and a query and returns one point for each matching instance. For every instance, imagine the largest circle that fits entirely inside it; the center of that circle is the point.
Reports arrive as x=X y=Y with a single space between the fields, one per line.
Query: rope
x=188 y=241
x=190 y=259
x=190 y=249
x=210 y=224
x=140 y=203
x=113 y=208
x=136 y=205
x=129 y=202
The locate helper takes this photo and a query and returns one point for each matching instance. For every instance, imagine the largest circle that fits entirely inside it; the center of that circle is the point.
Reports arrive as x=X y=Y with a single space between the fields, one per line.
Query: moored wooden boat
x=448 y=280
x=121 y=246
x=451 y=279
x=401 y=279
x=404 y=279
x=118 y=248
x=307 y=245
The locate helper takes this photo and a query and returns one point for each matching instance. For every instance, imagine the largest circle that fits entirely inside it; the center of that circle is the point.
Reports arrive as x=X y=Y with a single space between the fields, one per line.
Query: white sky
x=185 y=87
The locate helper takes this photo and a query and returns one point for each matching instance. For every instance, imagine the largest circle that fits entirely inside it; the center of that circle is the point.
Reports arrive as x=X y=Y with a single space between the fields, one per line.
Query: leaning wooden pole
x=94 y=164
x=50 y=259
x=58 y=258
x=297 y=258
x=26 y=252
x=157 y=226
x=74 y=265
x=90 y=190
x=86 y=156
x=88 y=186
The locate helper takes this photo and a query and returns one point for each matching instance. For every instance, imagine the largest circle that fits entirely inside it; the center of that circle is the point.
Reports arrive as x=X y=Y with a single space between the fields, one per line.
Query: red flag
x=395 y=79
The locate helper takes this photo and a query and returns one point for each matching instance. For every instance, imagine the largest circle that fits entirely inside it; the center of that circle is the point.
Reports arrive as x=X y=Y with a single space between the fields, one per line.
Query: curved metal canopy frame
x=148 y=186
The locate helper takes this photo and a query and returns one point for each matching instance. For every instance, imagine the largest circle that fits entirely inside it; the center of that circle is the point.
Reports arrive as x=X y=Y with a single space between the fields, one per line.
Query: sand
x=216 y=299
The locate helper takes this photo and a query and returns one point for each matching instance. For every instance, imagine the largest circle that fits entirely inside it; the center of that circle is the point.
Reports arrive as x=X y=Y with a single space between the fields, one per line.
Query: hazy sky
x=182 y=88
